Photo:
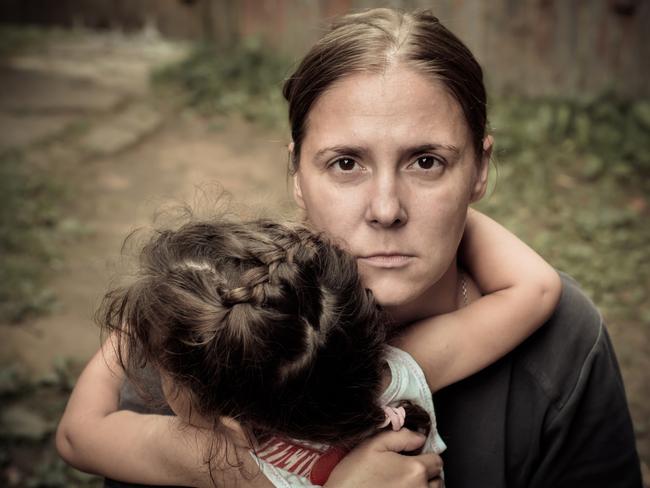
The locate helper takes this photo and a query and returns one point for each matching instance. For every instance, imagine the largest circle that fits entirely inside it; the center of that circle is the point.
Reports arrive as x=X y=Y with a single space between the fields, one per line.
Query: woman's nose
x=386 y=206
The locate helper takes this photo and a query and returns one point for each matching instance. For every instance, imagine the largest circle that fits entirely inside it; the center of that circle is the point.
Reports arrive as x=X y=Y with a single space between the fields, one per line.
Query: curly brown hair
x=263 y=322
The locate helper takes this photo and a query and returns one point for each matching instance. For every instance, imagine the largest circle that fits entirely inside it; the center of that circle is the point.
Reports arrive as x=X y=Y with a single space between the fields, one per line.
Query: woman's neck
x=442 y=297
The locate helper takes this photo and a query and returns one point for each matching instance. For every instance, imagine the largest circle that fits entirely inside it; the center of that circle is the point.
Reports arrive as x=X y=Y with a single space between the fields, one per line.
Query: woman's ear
x=480 y=183
x=297 y=189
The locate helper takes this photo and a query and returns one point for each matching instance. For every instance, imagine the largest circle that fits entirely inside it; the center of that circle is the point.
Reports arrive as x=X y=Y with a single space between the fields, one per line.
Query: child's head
x=258 y=321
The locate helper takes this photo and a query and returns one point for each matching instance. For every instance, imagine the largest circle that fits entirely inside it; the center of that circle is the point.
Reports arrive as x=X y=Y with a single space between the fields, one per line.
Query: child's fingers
x=432 y=464
x=403 y=440
x=377 y=463
x=406 y=440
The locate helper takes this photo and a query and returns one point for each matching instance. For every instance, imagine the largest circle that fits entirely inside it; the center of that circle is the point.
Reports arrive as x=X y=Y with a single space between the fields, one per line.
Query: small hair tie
x=395 y=417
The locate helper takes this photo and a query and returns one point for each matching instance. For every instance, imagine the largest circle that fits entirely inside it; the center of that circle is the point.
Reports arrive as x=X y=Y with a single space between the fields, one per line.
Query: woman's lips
x=386 y=260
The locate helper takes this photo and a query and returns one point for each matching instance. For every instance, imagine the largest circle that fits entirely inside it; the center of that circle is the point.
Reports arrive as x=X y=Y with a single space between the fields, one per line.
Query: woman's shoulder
x=567 y=346
x=575 y=324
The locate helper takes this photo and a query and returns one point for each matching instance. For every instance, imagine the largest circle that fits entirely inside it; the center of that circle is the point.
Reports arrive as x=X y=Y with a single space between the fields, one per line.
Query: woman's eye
x=345 y=164
x=427 y=162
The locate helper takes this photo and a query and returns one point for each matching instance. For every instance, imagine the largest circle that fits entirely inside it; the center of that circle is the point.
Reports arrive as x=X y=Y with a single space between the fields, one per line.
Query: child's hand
x=376 y=463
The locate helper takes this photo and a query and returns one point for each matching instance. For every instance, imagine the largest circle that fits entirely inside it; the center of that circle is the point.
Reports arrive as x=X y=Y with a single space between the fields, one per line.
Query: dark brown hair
x=374 y=40
x=263 y=322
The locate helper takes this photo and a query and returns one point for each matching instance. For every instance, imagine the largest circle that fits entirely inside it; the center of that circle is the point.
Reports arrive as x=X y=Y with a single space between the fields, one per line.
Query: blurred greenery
x=29 y=213
x=17 y=39
x=30 y=412
x=13 y=39
x=573 y=180
x=246 y=79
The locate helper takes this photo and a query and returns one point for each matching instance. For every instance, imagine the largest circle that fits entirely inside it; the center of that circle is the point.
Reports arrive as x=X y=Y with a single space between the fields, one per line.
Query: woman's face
x=387 y=168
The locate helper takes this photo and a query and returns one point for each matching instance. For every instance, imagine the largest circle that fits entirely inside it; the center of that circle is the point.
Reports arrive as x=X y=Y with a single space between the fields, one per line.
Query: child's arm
x=153 y=449
x=521 y=291
x=95 y=437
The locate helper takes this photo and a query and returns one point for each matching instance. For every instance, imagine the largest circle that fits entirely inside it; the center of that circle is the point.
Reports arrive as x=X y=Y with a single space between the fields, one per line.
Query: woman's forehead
x=399 y=107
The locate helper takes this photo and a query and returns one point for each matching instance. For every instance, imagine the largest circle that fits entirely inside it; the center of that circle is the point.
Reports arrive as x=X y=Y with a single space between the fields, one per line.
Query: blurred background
x=112 y=109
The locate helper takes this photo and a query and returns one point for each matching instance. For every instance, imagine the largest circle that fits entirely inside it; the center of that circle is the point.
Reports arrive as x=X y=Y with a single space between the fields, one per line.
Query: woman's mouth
x=386 y=260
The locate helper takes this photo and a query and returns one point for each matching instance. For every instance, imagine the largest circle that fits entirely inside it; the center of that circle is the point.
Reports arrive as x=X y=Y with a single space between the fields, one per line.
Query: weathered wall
x=567 y=47
x=560 y=47
x=176 y=18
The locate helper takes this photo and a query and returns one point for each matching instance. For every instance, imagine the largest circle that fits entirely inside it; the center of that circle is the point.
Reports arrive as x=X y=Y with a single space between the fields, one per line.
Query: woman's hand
x=376 y=463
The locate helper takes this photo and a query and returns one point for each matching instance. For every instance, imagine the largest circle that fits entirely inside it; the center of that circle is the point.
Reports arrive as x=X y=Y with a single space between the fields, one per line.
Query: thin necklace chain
x=463 y=289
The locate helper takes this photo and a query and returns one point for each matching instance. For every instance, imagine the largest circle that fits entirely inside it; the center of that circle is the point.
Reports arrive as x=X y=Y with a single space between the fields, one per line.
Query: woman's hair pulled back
x=373 y=41
x=259 y=321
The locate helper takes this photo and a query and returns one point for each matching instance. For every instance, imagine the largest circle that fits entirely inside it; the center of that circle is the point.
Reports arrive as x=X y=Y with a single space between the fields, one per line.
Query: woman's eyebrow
x=421 y=148
x=340 y=149
x=356 y=151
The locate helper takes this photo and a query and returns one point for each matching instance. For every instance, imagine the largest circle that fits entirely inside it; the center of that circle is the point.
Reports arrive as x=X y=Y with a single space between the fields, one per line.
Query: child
x=263 y=335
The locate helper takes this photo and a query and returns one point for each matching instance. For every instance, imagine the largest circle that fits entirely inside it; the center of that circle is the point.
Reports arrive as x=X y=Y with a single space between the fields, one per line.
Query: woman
x=388 y=122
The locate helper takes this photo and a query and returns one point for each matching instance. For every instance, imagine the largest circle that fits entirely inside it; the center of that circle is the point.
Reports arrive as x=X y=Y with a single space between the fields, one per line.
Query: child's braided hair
x=263 y=322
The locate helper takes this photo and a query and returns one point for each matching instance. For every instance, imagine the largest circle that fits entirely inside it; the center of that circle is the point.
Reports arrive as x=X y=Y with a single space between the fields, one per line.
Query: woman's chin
x=406 y=300
x=393 y=296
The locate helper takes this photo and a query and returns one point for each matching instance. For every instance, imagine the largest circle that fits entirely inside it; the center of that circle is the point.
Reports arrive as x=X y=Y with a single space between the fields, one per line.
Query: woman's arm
x=95 y=437
x=521 y=291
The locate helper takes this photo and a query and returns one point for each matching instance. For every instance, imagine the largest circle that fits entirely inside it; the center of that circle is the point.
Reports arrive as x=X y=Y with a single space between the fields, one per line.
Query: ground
x=123 y=153
x=134 y=155
x=82 y=109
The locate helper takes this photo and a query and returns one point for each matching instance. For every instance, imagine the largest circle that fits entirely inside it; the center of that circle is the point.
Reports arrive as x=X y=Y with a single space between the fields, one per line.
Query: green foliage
x=13 y=380
x=31 y=408
x=28 y=217
x=246 y=79
x=573 y=180
x=15 y=39
x=56 y=474
x=609 y=134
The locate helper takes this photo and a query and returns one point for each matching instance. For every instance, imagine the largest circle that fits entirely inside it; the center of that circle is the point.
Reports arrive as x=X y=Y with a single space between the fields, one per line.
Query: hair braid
x=267 y=323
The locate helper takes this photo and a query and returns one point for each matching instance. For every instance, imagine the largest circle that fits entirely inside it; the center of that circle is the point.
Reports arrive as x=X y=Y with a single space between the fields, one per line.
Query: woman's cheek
x=339 y=214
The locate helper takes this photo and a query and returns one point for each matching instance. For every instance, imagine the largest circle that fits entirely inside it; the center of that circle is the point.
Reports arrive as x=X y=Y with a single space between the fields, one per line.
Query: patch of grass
x=28 y=218
x=246 y=79
x=31 y=410
x=573 y=181
x=15 y=39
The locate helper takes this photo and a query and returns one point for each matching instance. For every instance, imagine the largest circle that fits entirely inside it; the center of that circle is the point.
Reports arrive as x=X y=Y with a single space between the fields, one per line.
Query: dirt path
x=128 y=156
